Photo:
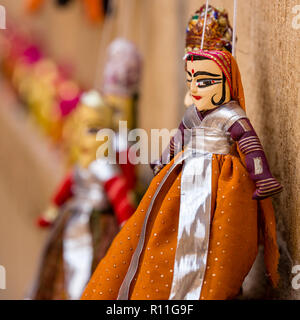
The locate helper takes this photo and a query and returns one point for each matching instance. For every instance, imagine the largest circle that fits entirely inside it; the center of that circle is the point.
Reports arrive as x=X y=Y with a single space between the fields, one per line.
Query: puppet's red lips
x=197 y=97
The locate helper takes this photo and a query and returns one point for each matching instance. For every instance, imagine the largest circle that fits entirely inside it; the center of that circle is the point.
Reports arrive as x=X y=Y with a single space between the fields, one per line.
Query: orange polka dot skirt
x=234 y=238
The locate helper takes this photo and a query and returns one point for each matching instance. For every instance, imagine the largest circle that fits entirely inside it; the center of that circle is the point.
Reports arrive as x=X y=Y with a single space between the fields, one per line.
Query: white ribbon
x=193 y=227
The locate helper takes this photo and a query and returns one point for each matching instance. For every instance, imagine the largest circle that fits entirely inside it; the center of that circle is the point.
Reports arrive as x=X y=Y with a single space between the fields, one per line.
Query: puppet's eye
x=93 y=130
x=206 y=83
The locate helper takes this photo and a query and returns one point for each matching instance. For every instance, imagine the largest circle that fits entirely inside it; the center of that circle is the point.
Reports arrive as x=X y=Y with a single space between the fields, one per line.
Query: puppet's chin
x=203 y=106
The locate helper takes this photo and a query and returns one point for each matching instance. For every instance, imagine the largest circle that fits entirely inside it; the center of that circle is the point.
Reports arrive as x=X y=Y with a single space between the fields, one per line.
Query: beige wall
x=267 y=51
x=29 y=172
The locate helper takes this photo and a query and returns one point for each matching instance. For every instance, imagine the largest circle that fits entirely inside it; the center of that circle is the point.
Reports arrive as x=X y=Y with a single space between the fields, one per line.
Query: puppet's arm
x=63 y=193
x=115 y=186
x=168 y=154
x=128 y=169
x=256 y=162
x=118 y=194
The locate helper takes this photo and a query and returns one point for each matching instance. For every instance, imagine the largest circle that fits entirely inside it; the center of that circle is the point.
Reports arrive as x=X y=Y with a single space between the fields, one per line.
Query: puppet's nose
x=194 y=87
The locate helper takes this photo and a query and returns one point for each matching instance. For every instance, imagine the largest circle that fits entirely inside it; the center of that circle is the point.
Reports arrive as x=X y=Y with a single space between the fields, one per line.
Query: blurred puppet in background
x=121 y=80
x=196 y=232
x=46 y=91
x=85 y=211
x=97 y=196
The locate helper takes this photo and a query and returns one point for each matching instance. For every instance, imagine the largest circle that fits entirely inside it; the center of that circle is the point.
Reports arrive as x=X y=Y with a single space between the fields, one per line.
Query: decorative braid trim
x=265 y=182
x=268 y=187
x=250 y=144
x=269 y=192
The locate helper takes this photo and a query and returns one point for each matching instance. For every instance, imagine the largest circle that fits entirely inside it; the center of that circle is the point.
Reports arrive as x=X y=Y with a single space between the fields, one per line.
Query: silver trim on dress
x=88 y=194
x=207 y=137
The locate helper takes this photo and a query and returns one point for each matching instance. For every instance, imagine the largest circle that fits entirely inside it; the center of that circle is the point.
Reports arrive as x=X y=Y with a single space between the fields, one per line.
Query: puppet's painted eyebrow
x=204 y=73
x=189 y=73
x=209 y=79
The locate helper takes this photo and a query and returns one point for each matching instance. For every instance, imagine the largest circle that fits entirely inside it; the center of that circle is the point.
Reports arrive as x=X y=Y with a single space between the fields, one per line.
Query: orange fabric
x=233 y=240
x=234 y=230
x=33 y=5
x=237 y=87
x=94 y=10
x=268 y=226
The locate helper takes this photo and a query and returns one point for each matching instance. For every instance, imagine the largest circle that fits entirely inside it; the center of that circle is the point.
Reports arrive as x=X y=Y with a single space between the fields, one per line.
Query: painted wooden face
x=81 y=132
x=123 y=109
x=207 y=84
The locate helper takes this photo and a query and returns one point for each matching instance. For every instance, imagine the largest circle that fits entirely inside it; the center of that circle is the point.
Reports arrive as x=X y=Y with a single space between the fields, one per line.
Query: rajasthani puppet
x=196 y=231
x=87 y=209
x=121 y=78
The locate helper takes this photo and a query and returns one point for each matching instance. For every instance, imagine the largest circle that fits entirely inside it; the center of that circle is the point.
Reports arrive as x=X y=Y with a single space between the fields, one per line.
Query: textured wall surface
x=29 y=172
x=268 y=53
x=270 y=68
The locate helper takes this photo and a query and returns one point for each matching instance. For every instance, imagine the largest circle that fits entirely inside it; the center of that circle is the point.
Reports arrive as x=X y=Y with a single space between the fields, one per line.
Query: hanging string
x=125 y=18
x=234 y=27
x=204 y=25
x=106 y=36
x=117 y=24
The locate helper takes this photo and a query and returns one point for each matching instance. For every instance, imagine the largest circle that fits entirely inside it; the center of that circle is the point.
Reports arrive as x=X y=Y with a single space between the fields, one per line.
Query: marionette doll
x=121 y=78
x=195 y=233
x=87 y=209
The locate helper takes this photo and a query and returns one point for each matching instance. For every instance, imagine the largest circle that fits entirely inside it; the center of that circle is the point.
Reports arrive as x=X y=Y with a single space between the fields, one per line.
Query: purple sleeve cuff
x=256 y=162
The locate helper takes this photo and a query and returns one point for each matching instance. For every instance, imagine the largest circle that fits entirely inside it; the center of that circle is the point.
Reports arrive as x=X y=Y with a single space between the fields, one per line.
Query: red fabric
x=42 y=222
x=64 y=191
x=118 y=194
x=128 y=170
